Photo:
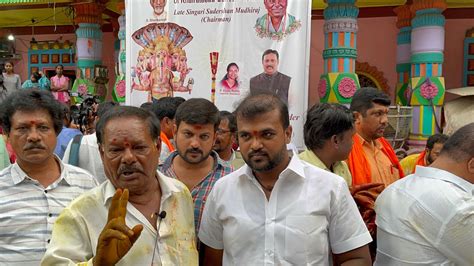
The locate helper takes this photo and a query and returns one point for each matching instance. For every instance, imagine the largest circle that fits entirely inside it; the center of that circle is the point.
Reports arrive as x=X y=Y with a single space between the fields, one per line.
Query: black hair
x=231 y=118
x=103 y=107
x=227 y=71
x=325 y=120
x=179 y=100
x=271 y=51
x=436 y=138
x=197 y=111
x=460 y=145
x=128 y=111
x=147 y=106
x=67 y=112
x=165 y=107
x=30 y=101
x=257 y=104
x=62 y=67
x=364 y=99
x=36 y=76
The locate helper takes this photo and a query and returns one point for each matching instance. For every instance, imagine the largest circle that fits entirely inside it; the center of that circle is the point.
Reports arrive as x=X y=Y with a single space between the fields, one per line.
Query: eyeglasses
x=221 y=131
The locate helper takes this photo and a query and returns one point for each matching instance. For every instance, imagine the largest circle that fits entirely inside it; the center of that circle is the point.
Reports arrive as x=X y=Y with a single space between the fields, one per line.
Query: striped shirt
x=28 y=210
x=203 y=188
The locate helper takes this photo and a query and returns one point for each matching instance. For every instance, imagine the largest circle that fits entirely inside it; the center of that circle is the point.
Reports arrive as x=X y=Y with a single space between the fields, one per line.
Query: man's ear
x=101 y=152
x=175 y=130
x=168 y=121
x=470 y=166
x=158 y=144
x=288 y=133
x=357 y=117
x=334 y=140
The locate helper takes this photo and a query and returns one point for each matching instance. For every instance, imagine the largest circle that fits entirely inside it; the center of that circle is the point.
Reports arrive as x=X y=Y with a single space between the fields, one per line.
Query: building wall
x=376 y=45
x=22 y=44
x=374 y=49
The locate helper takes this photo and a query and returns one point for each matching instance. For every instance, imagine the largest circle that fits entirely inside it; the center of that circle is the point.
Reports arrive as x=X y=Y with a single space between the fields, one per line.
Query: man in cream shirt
x=328 y=132
x=138 y=216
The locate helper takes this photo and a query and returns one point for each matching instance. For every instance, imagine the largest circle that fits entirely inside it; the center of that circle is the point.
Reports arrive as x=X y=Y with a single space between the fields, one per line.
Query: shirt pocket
x=306 y=239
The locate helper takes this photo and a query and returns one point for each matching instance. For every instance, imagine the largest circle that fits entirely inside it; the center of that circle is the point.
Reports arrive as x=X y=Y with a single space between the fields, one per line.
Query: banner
x=214 y=49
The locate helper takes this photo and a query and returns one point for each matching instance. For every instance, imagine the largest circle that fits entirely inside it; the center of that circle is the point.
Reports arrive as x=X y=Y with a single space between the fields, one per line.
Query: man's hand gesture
x=116 y=238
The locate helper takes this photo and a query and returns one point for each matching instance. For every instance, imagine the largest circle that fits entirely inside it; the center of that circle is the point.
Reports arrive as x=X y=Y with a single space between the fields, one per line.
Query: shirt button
x=49 y=240
x=50 y=215
x=45 y=191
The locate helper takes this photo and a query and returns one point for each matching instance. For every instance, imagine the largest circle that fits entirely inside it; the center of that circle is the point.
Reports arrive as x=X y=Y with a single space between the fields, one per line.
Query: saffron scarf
x=420 y=160
x=165 y=139
x=359 y=166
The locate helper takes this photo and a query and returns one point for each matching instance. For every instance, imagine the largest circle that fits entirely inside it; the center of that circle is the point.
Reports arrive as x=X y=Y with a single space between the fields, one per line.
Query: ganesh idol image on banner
x=161 y=68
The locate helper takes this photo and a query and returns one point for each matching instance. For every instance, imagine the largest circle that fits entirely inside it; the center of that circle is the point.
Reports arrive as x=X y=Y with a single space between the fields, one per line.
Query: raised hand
x=116 y=238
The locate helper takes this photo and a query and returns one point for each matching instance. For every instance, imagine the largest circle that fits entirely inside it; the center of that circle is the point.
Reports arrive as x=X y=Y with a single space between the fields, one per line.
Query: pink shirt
x=60 y=82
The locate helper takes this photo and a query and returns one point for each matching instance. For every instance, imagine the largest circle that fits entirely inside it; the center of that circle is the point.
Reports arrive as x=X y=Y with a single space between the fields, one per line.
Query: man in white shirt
x=277 y=209
x=86 y=155
x=226 y=137
x=35 y=189
x=138 y=216
x=428 y=218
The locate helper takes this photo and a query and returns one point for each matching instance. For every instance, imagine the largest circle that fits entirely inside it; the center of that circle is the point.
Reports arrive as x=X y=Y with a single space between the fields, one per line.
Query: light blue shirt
x=66 y=135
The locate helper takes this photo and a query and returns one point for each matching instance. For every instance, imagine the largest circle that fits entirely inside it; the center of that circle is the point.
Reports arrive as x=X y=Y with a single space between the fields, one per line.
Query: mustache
x=194 y=150
x=257 y=153
x=31 y=146
x=129 y=168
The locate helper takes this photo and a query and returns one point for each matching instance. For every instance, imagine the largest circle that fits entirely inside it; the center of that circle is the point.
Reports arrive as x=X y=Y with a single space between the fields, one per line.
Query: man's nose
x=195 y=142
x=128 y=156
x=256 y=144
x=33 y=135
x=384 y=119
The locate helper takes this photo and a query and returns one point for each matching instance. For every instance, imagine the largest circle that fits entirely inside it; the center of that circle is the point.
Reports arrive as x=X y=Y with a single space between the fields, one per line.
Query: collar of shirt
x=218 y=162
x=296 y=166
x=436 y=173
x=232 y=157
x=311 y=157
x=372 y=145
x=18 y=175
x=167 y=188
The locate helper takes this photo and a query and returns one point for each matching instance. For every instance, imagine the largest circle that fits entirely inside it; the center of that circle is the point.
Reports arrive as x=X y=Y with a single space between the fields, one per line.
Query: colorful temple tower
x=339 y=81
x=404 y=17
x=118 y=94
x=89 y=48
x=426 y=87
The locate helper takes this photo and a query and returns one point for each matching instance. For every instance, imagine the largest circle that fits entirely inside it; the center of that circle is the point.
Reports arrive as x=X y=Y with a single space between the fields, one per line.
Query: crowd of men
x=114 y=199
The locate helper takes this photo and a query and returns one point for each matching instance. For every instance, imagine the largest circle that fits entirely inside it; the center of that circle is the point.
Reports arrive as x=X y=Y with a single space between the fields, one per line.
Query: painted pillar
x=339 y=81
x=426 y=82
x=404 y=17
x=118 y=94
x=89 y=48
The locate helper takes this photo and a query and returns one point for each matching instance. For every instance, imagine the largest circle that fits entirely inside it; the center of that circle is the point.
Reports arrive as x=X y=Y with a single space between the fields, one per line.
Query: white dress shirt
x=77 y=229
x=28 y=210
x=89 y=156
x=426 y=219
x=309 y=214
